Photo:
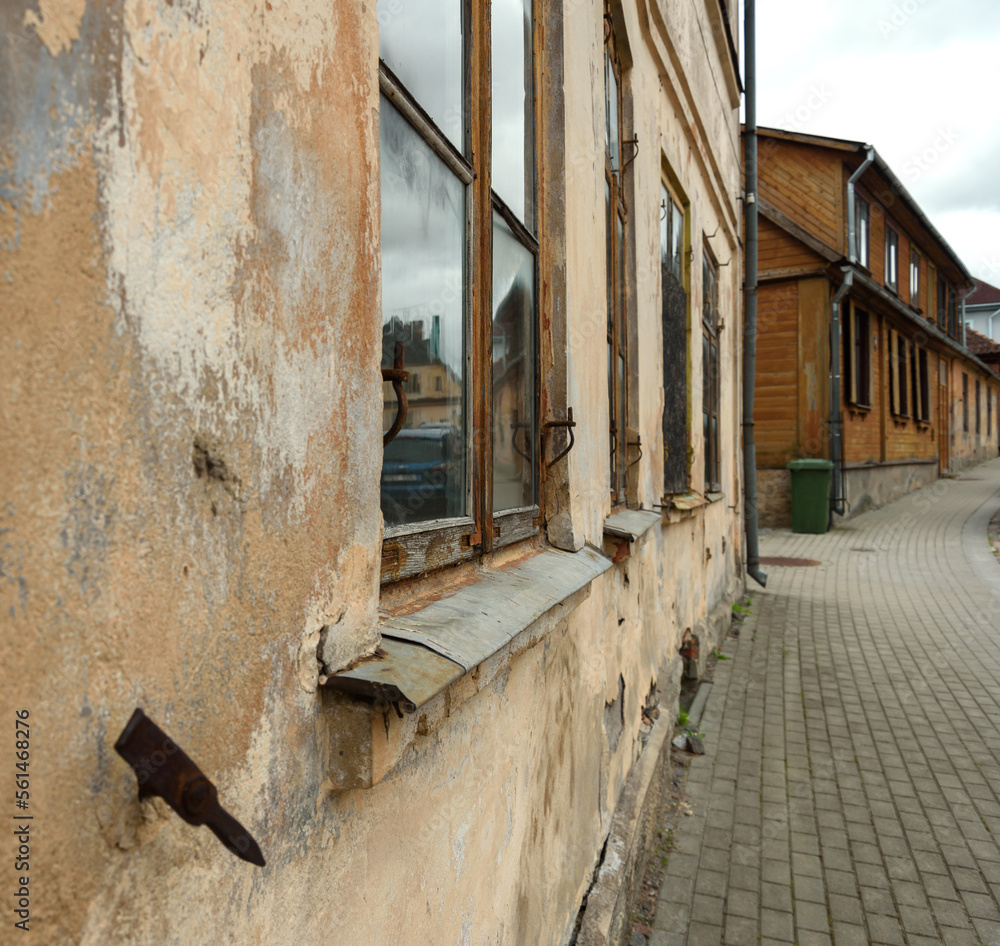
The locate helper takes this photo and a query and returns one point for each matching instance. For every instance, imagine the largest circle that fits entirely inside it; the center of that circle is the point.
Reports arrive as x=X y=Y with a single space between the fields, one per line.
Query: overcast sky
x=918 y=79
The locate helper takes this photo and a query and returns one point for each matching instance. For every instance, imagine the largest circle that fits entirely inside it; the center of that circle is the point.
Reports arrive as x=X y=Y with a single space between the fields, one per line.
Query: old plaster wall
x=188 y=231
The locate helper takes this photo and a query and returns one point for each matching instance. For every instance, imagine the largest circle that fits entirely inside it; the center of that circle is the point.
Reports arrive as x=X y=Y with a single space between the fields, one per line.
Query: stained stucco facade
x=192 y=417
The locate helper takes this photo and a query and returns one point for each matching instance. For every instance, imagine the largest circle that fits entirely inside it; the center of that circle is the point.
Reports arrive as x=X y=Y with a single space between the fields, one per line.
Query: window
x=710 y=370
x=615 y=218
x=942 y=303
x=978 y=407
x=456 y=306
x=891 y=259
x=857 y=358
x=914 y=382
x=902 y=375
x=915 y=279
x=675 y=343
x=862 y=228
x=965 y=402
x=989 y=413
x=952 y=311
x=923 y=388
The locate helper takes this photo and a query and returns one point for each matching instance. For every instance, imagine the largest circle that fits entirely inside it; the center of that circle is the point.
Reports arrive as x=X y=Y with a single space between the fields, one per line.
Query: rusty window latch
x=163 y=768
x=397 y=374
x=637 y=443
x=568 y=424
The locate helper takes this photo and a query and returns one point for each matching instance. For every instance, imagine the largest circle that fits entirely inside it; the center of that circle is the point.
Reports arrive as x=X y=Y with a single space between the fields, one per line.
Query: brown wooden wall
x=775 y=420
x=778 y=252
x=805 y=183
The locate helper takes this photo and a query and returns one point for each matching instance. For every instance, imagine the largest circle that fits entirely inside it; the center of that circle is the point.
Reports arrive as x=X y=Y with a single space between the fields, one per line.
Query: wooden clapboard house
x=910 y=400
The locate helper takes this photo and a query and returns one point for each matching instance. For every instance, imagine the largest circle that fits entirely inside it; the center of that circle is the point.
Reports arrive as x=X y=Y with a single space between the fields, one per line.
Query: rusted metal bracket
x=162 y=768
x=635 y=151
x=568 y=424
x=397 y=375
x=638 y=444
x=515 y=427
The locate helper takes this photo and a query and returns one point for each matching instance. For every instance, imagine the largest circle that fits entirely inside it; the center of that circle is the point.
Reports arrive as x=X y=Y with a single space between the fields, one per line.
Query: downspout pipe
x=837 y=503
x=852 y=223
x=750 y=298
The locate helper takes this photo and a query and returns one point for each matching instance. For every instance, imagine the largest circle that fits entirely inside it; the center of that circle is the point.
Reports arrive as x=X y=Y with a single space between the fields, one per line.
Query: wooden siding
x=775 y=420
x=862 y=425
x=805 y=183
x=779 y=252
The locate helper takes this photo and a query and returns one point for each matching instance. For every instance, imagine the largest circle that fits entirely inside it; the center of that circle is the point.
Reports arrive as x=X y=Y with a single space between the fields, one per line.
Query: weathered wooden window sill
x=440 y=653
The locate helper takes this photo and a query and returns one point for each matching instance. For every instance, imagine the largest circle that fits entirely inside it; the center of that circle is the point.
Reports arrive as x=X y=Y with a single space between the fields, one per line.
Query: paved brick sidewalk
x=851 y=790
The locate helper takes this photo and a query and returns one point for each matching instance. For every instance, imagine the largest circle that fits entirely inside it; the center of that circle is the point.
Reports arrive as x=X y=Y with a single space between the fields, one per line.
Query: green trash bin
x=810 y=495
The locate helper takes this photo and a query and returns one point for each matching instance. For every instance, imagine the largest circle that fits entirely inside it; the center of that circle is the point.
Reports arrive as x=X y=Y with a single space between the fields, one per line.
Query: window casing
x=978 y=407
x=942 y=303
x=616 y=217
x=923 y=387
x=857 y=358
x=891 y=259
x=965 y=403
x=915 y=279
x=674 y=305
x=459 y=244
x=710 y=370
x=862 y=224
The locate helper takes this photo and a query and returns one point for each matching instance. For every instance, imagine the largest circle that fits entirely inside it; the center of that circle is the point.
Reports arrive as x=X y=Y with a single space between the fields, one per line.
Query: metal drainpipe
x=852 y=239
x=836 y=451
x=750 y=299
x=837 y=502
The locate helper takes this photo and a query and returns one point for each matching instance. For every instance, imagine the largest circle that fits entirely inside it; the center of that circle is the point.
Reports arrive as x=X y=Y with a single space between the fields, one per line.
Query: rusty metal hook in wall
x=162 y=768
x=637 y=443
x=568 y=425
x=397 y=375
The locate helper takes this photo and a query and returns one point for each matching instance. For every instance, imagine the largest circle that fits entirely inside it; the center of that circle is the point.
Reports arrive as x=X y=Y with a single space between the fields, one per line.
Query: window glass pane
x=421 y=42
x=423 y=248
x=513 y=370
x=666 y=207
x=608 y=254
x=677 y=236
x=513 y=96
x=611 y=112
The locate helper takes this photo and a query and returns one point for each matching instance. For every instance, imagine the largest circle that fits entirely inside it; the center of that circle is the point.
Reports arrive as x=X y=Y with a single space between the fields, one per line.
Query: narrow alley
x=853 y=741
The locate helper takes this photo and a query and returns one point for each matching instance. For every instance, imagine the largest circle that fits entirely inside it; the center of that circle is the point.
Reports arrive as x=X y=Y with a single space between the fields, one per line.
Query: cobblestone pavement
x=850 y=793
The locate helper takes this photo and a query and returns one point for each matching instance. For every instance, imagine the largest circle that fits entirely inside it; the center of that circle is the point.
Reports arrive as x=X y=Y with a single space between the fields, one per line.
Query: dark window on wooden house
x=857 y=358
x=902 y=375
x=965 y=402
x=942 y=303
x=989 y=413
x=924 y=387
x=953 y=328
x=710 y=370
x=616 y=211
x=891 y=259
x=675 y=344
x=978 y=407
x=461 y=305
x=915 y=405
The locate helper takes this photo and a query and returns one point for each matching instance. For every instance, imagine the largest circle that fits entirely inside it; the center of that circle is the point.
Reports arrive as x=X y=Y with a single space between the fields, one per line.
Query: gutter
x=852 y=237
x=750 y=300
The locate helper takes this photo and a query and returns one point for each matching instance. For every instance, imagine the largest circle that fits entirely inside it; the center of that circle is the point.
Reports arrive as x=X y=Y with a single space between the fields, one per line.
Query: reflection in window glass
x=421 y=42
x=423 y=246
x=611 y=129
x=513 y=94
x=513 y=370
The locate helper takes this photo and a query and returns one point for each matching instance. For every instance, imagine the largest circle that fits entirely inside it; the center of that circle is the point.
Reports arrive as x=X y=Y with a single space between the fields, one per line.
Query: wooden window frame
x=414 y=548
x=979 y=408
x=965 y=402
x=891 y=259
x=915 y=279
x=857 y=359
x=923 y=375
x=616 y=233
x=711 y=371
x=862 y=230
x=676 y=326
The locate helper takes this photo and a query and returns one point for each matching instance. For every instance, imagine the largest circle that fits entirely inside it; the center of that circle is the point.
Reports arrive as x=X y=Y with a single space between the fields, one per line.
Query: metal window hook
x=397 y=375
x=568 y=424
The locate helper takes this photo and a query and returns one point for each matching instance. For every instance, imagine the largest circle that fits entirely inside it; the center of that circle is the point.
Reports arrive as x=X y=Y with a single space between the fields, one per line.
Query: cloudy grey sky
x=918 y=79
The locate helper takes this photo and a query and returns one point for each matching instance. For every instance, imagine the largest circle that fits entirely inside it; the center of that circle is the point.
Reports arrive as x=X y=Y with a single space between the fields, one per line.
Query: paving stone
x=845 y=935
x=777 y=925
x=811 y=916
x=884 y=929
x=740 y=931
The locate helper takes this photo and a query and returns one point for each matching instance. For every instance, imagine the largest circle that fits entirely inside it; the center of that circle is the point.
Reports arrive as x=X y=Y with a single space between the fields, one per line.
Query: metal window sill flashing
x=630 y=524
x=430 y=659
